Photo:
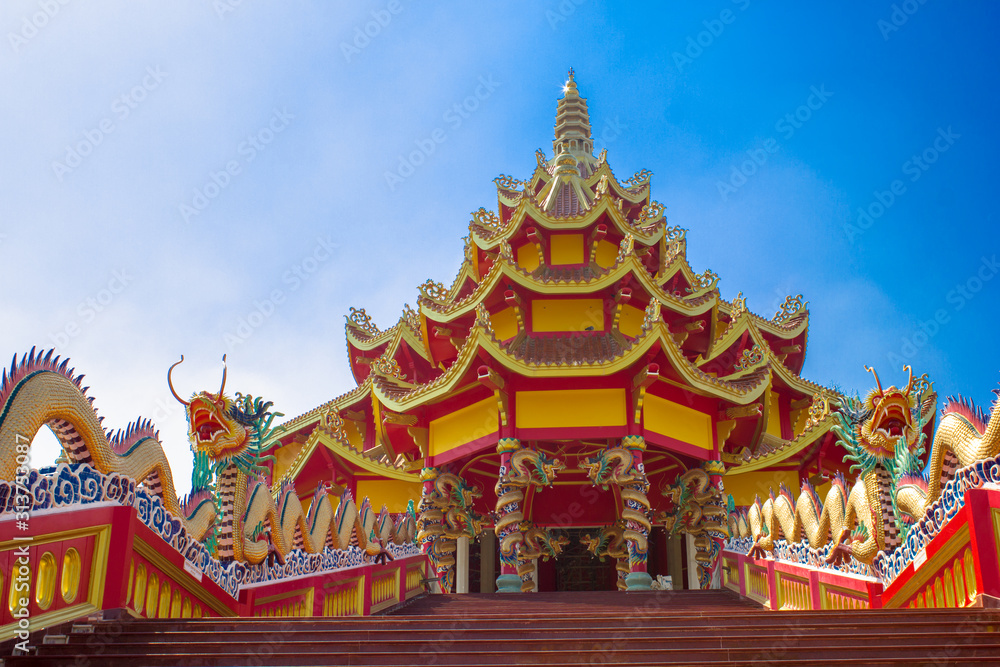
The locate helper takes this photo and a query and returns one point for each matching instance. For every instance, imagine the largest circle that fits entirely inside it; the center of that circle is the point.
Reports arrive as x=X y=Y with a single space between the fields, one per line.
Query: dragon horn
x=171 y=384
x=223 y=387
x=909 y=383
x=877 y=381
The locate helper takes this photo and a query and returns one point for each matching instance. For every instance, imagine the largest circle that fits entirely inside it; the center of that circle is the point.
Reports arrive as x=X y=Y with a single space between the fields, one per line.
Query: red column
x=507 y=526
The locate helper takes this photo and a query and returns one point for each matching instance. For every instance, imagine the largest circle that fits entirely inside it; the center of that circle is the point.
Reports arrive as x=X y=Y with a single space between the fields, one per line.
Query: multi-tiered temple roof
x=574 y=315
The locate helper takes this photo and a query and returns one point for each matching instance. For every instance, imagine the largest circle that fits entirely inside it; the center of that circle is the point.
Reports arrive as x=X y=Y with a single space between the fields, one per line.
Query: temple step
x=655 y=628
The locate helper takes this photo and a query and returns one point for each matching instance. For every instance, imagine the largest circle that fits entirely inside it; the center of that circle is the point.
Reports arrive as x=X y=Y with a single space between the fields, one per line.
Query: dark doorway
x=576 y=569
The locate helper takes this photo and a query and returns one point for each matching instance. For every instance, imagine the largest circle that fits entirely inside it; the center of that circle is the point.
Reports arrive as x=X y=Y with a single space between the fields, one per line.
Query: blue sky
x=170 y=169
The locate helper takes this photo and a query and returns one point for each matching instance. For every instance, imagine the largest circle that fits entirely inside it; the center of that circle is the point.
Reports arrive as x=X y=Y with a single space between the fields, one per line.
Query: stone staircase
x=655 y=628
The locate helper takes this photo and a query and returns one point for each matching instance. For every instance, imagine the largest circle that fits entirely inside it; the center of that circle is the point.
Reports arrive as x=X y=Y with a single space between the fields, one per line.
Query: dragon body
x=231 y=506
x=526 y=467
x=617 y=465
x=883 y=435
x=694 y=506
x=609 y=542
x=964 y=436
x=40 y=391
x=536 y=543
x=445 y=515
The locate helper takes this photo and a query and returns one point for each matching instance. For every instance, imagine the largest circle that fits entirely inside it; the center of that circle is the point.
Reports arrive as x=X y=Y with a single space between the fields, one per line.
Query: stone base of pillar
x=639 y=581
x=508 y=583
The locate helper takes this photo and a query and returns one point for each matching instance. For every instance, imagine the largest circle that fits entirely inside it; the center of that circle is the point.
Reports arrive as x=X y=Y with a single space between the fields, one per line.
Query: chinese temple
x=577 y=341
x=579 y=410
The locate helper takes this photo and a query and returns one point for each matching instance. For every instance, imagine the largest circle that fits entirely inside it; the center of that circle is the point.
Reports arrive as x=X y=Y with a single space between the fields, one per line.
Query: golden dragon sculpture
x=616 y=465
x=609 y=542
x=40 y=391
x=231 y=506
x=446 y=514
x=536 y=543
x=526 y=467
x=884 y=435
x=695 y=506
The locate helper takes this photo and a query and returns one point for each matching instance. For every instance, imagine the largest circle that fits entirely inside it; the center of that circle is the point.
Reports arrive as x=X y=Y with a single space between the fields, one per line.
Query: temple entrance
x=576 y=569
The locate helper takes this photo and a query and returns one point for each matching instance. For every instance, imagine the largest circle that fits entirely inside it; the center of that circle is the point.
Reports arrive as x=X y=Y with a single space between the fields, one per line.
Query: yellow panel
x=744 y=487
x=354 y=435
x=284 y=456
x=504 y=323
x=568 y=408
x=567 y=315
x=527 y=257
x=774 y=415
x=465 y=425
x=630 y=322
x=392 y=493
x=566 y=248
x=607 y=253
x=678 y=421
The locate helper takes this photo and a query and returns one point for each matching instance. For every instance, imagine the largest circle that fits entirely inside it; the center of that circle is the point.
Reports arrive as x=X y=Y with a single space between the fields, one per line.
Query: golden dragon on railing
x=231 y=506
x=884 y=436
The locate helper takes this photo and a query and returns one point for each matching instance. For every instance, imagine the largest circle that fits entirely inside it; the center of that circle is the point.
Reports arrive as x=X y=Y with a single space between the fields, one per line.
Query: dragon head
x=890 y=419
x=547 y=468
x=213 y=427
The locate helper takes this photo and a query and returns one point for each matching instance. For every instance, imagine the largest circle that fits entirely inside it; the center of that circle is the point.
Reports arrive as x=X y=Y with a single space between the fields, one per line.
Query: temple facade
x=568 y=390
x=580 y=409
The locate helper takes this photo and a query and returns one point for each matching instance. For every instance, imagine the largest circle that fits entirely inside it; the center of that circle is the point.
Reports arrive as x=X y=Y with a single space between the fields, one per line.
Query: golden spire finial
x=570 y=82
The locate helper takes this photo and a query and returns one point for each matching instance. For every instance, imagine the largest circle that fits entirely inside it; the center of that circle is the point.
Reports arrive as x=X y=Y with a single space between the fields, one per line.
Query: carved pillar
x=623 y=466
x=446 y=514
x=508 y=518
x=695 y=507
x=715 y=527
x=635 y=510
x=520 y=468
x=430 y=518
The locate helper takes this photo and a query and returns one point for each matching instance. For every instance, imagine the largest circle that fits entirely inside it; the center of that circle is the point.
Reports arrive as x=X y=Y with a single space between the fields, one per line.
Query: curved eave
x=797 y=382
x=352 y=397
x=393 y=336
x=788 y=450
x=344 y=451
x=503 y=272
x=640 y=195
x=603 y=204
x=744 y=324
x=787 y=329
x=658 y=334
x=678 y=264
x=465 y=272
